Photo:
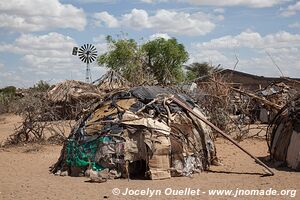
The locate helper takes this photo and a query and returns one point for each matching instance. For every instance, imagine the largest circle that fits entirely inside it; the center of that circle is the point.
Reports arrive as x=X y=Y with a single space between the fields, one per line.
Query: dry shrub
x=43 y=121
x=220 y=103
x=213 y=96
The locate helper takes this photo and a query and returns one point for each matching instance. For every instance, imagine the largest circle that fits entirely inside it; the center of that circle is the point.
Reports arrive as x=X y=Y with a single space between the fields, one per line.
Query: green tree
x=123 y=56
x=7 y=97
x=41 y=86
x=10 y=90
x=158 y=59
x=165 y=59
x=196 y=70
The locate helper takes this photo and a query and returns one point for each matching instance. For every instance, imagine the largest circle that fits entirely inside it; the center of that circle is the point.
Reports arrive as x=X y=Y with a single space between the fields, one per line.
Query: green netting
x=80 y=155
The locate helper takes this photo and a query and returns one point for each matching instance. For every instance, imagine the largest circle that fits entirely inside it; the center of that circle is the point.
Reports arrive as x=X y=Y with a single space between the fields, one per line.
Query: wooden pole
x=185 y=106
x=265 y=101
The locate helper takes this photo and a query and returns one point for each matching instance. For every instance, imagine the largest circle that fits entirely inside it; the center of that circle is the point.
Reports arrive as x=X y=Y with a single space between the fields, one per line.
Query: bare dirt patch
x=24 y=174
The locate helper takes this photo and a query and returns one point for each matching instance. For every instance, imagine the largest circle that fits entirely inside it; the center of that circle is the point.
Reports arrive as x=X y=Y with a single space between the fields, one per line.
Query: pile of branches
x=214 y=98
x=212 y=94
x=225 y=107
x=43 y=120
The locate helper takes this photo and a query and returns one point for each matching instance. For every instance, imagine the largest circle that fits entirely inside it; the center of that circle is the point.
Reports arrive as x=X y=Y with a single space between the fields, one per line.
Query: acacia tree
x=159 y=59
x=196 y=70
x=165 y=59
x=123 y=56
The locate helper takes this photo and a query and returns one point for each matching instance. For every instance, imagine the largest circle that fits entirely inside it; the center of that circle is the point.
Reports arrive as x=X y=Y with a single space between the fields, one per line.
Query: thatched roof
x=71 y=90
x=112 y=81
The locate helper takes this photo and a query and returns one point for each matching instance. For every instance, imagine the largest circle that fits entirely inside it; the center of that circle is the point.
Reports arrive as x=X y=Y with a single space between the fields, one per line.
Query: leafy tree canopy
x=8 y=90
x=123 y=56
x=196 y=70
x=165 y=59
x=41 y=86
x=160 y=59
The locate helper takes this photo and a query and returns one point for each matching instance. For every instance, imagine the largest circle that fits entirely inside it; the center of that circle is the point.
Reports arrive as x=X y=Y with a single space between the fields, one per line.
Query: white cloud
x=37 y=15
x=159 y=35
x=179 y=23
x=214 y=57
x=101 y=44
x=95 y=1
x=251 y=39
x=291 y=10
x=219 y=10
x=137 y=19
x=294 y=25
x=45 y=52
x=52 y=44
x=104 y=18
x=46 y=57
x=154 y=1
x=1 y=66
x=99 y=38
x=249 y=3
x=252 y=48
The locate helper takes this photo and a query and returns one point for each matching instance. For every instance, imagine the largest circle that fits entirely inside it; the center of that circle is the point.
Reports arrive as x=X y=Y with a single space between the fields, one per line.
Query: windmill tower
x=87 y=54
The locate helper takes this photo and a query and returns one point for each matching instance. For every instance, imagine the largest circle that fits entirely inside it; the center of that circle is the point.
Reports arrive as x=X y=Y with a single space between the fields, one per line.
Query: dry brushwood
x=41 y=121
x=214 y=99
x=228 y=109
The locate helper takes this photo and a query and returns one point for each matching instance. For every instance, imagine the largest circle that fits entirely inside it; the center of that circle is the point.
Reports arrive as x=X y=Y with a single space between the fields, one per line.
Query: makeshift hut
x=111 y=81
x=284 y=135
x=71 y=97
x=138 y=133
x=71 y=90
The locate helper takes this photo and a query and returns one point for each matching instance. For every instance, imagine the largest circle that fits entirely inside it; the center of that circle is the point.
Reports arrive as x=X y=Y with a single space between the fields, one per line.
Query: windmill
x=87 y=54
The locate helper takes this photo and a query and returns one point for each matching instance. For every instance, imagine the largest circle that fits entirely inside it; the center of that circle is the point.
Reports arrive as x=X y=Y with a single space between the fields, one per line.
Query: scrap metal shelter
x=284 y=136
x=140 y=132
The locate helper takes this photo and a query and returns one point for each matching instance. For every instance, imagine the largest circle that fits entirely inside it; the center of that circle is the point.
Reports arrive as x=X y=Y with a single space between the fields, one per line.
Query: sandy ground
x=24 y=175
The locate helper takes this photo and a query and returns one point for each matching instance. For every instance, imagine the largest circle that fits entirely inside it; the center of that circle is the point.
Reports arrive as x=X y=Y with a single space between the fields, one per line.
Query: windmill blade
x=82 y=58
x=81 y=49
x=87 y=53
x=90 y=59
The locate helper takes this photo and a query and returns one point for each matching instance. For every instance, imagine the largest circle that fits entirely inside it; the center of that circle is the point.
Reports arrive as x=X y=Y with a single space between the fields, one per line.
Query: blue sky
x=36 y=36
